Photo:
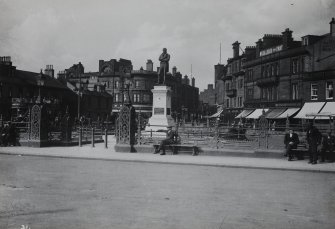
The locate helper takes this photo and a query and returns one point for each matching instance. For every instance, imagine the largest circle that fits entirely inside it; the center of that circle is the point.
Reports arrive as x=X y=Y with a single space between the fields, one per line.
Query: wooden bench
x=301 y=149
x=177 y=146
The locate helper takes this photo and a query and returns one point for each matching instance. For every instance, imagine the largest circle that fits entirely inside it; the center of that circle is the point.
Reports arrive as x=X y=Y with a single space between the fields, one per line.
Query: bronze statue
x=164 y=59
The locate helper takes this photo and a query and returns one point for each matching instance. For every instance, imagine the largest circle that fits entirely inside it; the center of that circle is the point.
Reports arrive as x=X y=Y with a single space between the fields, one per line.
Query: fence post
x=139 y=129
x=217 y=132
x=80 y=136
x=92 y=136
x=106 y=139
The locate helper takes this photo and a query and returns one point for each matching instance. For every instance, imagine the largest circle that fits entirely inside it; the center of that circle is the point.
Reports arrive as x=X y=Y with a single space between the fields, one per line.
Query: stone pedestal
x=161 y=109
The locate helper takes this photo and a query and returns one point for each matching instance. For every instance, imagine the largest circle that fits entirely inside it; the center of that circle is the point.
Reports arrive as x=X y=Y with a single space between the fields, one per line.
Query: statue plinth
x=161 y=109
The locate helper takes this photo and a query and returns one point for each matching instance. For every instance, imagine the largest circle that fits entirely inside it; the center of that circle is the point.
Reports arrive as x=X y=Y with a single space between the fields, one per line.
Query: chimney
x=236 y=49
x=193 y=82
x=174 y=71
x=287 y=38
x=250 y=52
x=332 y=27
x=6 y=60
x=150 y=66
x=259 y=46
x=49 y=70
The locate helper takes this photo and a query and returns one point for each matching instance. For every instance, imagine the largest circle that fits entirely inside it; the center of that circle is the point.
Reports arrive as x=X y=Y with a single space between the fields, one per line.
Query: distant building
x=21 y=89
x=232 y=89
x=116 y=76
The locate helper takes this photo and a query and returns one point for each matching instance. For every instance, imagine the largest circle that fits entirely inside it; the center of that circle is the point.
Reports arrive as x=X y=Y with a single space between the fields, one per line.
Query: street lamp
x=40 y=82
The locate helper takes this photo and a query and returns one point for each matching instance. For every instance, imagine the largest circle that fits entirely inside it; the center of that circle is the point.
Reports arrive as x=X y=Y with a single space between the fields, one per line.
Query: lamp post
x=40 y=83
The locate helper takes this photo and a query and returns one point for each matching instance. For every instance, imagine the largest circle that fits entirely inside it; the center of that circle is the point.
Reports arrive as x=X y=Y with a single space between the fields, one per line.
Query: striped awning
x=217 y=114
x=256 y=114
x=288 y=113
x=309 y=108
x=327 y=111
x=244 y=113
x=273 y=113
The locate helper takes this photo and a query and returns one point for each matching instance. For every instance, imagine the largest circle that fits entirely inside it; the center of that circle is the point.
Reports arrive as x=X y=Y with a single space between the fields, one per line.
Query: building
x=119 y=78
x=21 y=89
x=282 y=74
x=229 y=80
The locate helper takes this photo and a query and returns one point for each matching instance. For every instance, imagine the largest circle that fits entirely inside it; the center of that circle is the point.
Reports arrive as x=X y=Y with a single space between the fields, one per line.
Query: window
x=295 y=66
x=137 y=84
x=250 y=75
x=269 y=94
x=263 y=72
x=314 y=92
x=227 y=86
x=234 y=102
x=240 y=102
x=125 y=98
x=277 y=69
x=250 y=92
x=117 y=98
x=136 y=98
x=227 y=102
x=295 y=93
x=146 y=98
x=272 y=70
x=329 y=90
x=240 y=83
x=116 y=84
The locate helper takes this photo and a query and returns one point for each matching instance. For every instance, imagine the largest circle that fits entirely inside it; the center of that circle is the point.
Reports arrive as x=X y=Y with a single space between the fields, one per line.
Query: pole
x=106 y=138
x=93 y=137
x=80 y=136
x=79 y=96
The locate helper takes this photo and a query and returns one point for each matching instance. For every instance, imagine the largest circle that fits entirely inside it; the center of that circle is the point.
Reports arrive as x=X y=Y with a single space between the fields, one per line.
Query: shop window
x=314 y=92
x=329 y=90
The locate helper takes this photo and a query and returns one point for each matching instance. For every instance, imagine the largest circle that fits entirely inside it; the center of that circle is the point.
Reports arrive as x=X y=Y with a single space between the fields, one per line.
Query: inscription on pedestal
x=158 y=111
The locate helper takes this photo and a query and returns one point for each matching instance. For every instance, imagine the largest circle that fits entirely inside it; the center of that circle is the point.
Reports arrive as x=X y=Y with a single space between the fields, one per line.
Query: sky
x=37 y=33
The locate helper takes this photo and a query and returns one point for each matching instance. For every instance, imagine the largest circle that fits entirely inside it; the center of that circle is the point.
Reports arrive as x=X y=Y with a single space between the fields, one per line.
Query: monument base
x=159 y=123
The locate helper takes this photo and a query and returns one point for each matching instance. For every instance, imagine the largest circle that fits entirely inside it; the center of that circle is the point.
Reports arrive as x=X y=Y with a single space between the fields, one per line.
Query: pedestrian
x=291 y=142
x=171 y=138
x=327 y=147
x=313 y=137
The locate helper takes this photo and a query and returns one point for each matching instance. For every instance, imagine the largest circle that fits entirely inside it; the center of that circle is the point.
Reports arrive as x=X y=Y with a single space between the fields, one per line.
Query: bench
x=175 y=147
x=301 y=149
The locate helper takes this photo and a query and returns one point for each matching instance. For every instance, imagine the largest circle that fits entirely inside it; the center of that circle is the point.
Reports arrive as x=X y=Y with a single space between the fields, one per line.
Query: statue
x=164 y=59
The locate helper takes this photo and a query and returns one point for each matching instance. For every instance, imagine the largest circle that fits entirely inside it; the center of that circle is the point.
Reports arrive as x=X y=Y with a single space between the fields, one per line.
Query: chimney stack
x=174 y=71
x=49 y=70
x=287 y=38
x=236 y=49
x=259 y=46
x=193 y=82
x=150 y=66
x=332 y=27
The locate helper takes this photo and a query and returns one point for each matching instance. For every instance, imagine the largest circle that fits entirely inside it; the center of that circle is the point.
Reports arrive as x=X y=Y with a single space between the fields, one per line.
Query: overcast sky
x=63 y=32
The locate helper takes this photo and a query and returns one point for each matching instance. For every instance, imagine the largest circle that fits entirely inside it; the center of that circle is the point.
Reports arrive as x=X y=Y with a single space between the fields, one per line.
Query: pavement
x=99 y=152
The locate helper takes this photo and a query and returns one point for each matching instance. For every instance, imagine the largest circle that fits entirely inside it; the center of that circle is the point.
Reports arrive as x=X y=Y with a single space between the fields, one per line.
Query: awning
x=288 y=113
x=309 y=108
x=244 y=113
x=327 y=111
x=273 y=113
x=256 y=114
x=217 y=114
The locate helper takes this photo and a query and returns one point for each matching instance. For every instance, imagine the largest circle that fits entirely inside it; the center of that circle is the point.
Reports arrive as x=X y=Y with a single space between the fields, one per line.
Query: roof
x=30 y=78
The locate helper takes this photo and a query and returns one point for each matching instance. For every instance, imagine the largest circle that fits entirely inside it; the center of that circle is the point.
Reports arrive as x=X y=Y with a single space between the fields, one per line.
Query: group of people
x=317 y=144
x=7 y=134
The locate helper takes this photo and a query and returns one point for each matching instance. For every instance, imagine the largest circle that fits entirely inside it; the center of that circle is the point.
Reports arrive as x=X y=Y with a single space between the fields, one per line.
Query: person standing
x=291 y=142
x=327 y=147
x=313 y=138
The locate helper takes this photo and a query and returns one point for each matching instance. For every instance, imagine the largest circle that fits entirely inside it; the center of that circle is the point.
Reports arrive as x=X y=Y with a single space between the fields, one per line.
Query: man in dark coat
x=314 y=139
x=171 y=137
x=291 y=142
x=327 y=147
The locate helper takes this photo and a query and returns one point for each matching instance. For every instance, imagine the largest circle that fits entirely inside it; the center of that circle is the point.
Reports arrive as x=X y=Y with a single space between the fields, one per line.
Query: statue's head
x=164 y=50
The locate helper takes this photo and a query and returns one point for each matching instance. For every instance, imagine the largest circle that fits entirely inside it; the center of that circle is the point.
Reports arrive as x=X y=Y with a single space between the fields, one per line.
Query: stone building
x=118 y=76
x=21 y=89
x=283 y=75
